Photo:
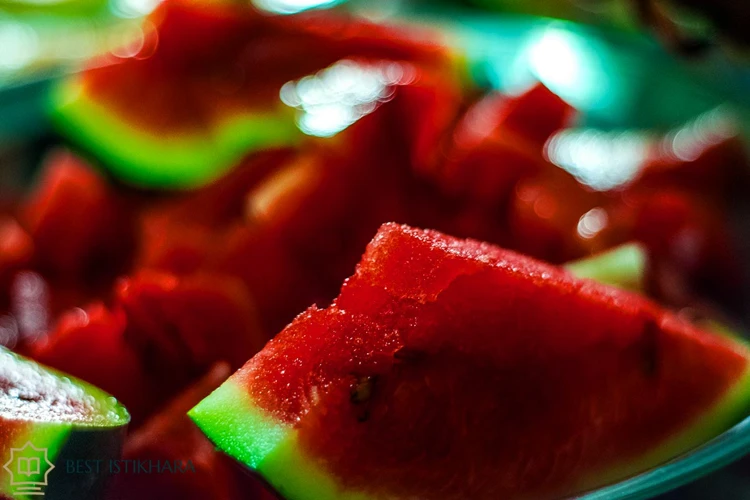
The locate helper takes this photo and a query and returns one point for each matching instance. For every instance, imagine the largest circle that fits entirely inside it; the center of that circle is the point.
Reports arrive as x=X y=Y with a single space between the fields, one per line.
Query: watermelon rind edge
x=163 y=161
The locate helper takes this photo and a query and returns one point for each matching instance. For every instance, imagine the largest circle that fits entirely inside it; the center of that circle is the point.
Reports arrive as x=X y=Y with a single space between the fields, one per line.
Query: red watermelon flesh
x=211 y=60
x=89 y=344
x=544 y=215
x=455 y=369
x=83 y=230
x=692 y=248
x=498 y=141
x=210 y=80
x=162 y=332
x=189 y=322
x=706 y=155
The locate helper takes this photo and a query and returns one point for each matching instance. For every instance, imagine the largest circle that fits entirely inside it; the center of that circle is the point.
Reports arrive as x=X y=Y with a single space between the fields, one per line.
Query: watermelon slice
x=454 y=369
x=203 y=90
x=59 y=420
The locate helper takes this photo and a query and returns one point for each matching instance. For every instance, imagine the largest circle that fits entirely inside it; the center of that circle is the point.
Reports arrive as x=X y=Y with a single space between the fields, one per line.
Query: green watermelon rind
x=248 y=434
x=253 y=437
x=117 y=415
x=623 y=267
x=180 y=161
x=51 y=435
x=227 y=415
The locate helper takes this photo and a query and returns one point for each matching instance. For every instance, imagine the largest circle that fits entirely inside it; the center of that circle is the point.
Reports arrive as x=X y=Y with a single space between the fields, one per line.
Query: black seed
x=362 y=389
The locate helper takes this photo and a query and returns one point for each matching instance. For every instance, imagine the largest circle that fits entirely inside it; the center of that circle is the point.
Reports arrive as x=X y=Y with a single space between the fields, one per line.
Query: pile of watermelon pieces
x=196 y=219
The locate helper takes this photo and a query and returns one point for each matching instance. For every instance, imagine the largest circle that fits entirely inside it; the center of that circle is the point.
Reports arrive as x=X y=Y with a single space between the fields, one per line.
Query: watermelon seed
x=361 y=393
x=362 y=390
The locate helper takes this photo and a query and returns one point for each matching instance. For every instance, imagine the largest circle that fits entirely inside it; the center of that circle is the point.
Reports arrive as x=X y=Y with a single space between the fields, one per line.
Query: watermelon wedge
x=453 y=369
x=203 y=90
x=60 y=421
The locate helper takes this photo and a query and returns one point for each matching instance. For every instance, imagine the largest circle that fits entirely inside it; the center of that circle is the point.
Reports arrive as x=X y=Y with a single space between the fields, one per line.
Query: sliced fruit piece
x=58 y=420
x=499 y=141
x=455 y=369
x=89 y=344
x=623 y=267
x=188 y=323
x=83 y=232
x=309 y=220
x=162 y=333
x=203 y=90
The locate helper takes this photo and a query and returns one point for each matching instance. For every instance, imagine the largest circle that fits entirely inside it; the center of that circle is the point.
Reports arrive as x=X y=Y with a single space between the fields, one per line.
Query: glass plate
x=720 y=451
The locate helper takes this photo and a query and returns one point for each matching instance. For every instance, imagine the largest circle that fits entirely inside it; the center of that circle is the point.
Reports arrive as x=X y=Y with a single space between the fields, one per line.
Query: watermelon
x=454 y=369
x=498 y=141
x=82 y=230
x=203 y=90
x=161 y=333
x=62 y=422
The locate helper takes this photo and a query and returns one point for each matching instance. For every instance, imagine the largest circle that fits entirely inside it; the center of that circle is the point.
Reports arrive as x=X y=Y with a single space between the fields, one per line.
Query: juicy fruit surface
x=30 y=393
x=61 y=417
x=455 y=369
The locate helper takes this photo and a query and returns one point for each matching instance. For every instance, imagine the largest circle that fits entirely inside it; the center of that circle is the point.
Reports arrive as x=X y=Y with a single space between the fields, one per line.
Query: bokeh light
x=337 y=97
x=600 y=160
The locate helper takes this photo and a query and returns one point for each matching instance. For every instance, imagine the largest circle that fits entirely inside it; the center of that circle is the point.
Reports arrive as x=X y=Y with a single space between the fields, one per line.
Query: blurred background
x=635 y=71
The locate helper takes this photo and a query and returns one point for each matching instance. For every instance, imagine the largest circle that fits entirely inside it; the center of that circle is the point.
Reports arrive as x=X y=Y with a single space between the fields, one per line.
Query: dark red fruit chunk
x=83 y=233
x=182 y=325
x=217 y=60
x=89 y=344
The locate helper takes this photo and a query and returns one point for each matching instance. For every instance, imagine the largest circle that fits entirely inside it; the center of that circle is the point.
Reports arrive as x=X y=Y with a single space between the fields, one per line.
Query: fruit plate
x=645 y=89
